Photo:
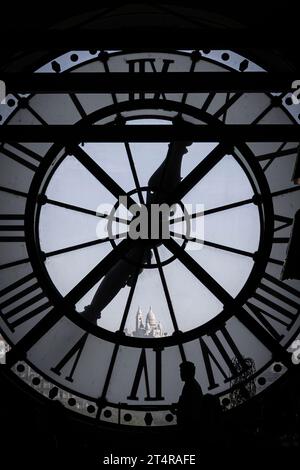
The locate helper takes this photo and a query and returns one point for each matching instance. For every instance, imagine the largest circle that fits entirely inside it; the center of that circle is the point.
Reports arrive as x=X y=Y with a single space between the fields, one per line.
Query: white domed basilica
x=150 y=328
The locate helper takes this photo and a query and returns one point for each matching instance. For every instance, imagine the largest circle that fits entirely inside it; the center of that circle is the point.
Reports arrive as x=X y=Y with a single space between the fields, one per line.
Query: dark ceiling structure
x=254 y=25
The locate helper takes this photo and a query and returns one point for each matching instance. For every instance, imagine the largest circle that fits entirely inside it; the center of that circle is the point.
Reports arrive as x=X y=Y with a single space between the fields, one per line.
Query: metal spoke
x=213 y=245
x=224 y=116
x=78 y=105
x=169 y=300
x=86 y=211
x=127 y=146
x=14 y=263
x=100 y=174
x=224 y=108
x=277 y=154
x=292 y=189
x=13 y=191
x=208 y=101
x=134 y=172
x=166 y=290
x=266 y=110
x=271 y=160
x=31 y=110
x=212 y=211
x=84 y=245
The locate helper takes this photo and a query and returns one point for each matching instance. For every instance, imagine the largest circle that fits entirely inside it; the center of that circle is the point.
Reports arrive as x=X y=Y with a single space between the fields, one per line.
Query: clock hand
x=200 y=171
x=172 y=188
x=120 y=275
x=168 y=174
x=164 y=179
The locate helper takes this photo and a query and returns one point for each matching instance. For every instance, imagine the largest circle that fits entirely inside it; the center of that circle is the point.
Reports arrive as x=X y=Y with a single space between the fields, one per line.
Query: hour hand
x=120 y=275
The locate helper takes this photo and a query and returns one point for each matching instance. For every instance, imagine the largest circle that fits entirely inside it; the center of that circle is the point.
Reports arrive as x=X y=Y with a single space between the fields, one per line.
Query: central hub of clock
x=149 y=221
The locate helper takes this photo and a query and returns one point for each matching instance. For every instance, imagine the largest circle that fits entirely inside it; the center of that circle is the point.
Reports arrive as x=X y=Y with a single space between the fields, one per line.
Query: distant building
x=4 y=348
x=151 y=328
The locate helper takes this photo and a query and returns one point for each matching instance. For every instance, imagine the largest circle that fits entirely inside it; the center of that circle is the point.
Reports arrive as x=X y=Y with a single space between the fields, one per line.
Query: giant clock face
x=102 y=322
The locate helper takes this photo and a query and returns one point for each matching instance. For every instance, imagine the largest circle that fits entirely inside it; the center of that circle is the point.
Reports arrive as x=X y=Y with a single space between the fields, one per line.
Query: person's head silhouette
x=187 y=371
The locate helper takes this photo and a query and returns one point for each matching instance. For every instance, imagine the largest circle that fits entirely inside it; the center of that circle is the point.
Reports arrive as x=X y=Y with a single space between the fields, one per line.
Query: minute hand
x=167 y=176
x=198 y=173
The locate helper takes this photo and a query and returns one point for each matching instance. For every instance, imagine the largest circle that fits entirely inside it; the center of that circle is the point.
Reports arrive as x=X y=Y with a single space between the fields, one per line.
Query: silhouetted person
x=161 y=184
x=190 y=401
x=198 y=415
